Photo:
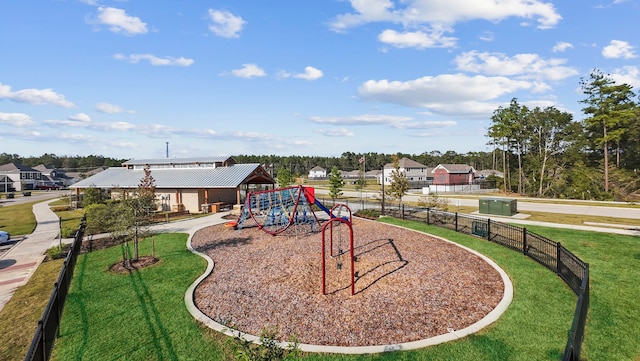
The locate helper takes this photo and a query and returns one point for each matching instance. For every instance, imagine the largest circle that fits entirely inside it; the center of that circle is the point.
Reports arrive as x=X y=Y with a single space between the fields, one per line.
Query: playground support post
x=351 y=253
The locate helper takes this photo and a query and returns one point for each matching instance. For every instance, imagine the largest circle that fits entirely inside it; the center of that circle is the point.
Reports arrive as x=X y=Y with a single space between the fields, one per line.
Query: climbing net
x=275 y=211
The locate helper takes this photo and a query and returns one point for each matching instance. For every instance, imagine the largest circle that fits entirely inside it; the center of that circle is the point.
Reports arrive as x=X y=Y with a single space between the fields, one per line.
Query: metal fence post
x=558 y=253
x=488 y=229
x=456 y=217
x=428 y=212
x=524 y=241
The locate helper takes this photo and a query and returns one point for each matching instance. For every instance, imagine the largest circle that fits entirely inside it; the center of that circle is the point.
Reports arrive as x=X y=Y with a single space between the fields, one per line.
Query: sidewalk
x=18 y=265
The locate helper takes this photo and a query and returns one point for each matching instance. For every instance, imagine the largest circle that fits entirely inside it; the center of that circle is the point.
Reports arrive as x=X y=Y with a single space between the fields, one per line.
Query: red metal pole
x=353 y=279
x=323 y=265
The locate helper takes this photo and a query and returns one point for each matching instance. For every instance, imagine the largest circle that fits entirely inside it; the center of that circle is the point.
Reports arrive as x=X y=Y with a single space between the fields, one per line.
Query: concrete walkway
x=20 y=262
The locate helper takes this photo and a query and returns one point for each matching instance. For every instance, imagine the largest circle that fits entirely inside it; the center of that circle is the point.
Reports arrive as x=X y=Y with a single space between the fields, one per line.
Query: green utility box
x=499 y=206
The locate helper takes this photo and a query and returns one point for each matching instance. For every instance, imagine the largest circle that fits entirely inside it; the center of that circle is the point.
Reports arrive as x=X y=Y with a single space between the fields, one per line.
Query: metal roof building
x=184 y=184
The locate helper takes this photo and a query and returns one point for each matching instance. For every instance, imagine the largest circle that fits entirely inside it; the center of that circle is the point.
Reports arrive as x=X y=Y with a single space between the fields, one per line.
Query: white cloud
x=225 y=24
x=35 y=96
x=16 y=119
x=618 y=49
x=416 y=39
x=335 y=132
x=445 y=13
x=562 y=46
x=458 y=94
x=310 y=73
x=154 y=60
x=365 y=119
x=248 y=71
x=119 y=22
x=526 y=66
x=627 y=75
x=80 y=117
x=111 y=108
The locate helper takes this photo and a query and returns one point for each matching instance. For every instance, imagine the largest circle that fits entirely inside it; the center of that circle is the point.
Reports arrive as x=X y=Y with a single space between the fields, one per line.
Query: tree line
x=544 y=152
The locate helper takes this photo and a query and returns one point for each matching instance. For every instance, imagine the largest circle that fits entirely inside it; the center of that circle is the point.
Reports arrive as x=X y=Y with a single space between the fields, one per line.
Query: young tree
x=132 y=214
x=284 y=177
x=399 y=183
x=336 y=183
x=608 y=108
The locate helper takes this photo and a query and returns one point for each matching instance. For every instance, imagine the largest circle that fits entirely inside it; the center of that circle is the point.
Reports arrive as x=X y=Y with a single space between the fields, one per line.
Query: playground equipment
x=277 y=210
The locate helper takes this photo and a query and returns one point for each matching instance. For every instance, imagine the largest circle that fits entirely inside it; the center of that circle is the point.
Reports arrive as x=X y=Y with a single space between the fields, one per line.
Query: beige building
x=188 y=184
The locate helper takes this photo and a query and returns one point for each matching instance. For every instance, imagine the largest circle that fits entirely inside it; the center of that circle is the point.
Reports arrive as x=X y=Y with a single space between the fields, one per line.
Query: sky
x=146 y=79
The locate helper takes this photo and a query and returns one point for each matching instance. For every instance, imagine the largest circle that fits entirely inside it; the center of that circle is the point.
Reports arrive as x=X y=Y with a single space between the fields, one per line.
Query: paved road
x=527 y=205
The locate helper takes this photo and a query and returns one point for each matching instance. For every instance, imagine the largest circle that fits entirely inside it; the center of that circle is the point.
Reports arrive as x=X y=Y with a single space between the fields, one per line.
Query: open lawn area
x=141 y=315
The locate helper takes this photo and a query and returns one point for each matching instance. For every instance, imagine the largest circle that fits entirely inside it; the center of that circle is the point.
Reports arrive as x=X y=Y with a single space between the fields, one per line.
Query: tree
x=92 y=195
x=284 y=177
x=336 y=183
x=609 y=108
x=399 y=183
x=508 y=130
x=133 y=213
x=549 y=137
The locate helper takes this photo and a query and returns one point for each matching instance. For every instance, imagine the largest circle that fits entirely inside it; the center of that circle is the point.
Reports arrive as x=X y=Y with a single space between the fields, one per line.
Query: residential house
x=53 y=176
x=20 y=177
x=416 y=173
x=452 y=178
x=189 y=184
x=317 y=172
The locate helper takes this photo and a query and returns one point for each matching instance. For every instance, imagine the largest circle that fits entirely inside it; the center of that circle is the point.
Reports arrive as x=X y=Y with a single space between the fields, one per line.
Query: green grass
x=136 y=316
x=143 y=316
x=19 y=317
x=18 y=219
x=614 y=316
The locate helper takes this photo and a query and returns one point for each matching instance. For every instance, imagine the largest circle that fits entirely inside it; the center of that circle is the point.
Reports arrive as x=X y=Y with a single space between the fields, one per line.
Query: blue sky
x=290 y=77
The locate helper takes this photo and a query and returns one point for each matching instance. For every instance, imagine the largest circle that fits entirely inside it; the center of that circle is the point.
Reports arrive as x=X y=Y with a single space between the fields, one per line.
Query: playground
x=390 y=286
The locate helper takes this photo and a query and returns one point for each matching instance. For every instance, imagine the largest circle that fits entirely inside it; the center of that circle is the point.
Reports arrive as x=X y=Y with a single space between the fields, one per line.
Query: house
x=453 y=174
x=20 y=177
x=190 y=184
x=452 y=178
x=412 y=170
x=53 y=176
x=317 y=172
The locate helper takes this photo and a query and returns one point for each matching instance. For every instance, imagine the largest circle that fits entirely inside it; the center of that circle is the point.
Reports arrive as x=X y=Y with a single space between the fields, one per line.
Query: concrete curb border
x=490 y=318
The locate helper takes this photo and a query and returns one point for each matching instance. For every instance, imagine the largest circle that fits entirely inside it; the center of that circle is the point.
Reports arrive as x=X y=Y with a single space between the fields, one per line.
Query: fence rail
x=571 y=269
x=49 y=324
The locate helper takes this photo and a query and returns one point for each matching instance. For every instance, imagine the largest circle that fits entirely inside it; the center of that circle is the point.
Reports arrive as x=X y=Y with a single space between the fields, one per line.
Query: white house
x=317 y=172
x=413 y=171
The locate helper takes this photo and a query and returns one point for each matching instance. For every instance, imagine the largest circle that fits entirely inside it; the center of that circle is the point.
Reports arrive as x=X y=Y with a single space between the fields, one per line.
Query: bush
x=60 y=208
x=57 y=252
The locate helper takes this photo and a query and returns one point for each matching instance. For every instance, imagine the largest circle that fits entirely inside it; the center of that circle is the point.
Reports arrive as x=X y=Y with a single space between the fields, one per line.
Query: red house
x=453 y=174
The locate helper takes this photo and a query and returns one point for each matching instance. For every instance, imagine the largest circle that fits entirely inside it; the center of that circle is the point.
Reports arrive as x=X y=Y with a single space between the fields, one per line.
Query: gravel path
x=410 y=287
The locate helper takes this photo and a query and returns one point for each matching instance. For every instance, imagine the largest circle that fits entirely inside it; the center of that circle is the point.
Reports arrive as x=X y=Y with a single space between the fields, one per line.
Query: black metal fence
x=49 y=324
x=571 y=269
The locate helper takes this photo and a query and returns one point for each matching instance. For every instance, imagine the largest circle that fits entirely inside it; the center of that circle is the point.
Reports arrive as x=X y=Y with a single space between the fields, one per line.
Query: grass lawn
x=142 y=315
x=18 y=219
x=613 y=327
x=19 y=317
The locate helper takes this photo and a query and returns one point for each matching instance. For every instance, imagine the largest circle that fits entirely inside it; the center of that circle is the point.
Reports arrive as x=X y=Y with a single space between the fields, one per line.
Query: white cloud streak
x=16 y=119
x=225 y=24
x=35 y=96
x=619 y=49
x=249 y=71
x=154 y=60
x=119 y=22
x=525 y=66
